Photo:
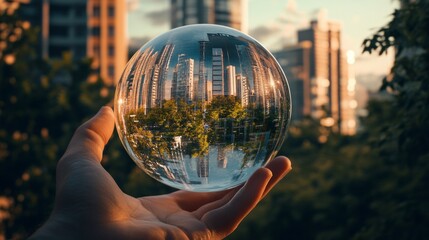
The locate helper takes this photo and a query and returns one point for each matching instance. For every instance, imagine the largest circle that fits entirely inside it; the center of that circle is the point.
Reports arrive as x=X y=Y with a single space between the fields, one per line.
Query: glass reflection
x=201 y=107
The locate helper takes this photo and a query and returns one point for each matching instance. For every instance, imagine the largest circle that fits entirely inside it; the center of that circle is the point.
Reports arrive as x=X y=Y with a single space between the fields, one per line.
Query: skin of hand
x=90 y=205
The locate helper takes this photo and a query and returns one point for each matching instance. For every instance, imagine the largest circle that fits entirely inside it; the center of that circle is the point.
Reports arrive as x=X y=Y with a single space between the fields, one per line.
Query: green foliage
x=371 y=186
x=374 y=185
x=409 y=81
x=151 y=131
x=225 y=107
x=41 y=104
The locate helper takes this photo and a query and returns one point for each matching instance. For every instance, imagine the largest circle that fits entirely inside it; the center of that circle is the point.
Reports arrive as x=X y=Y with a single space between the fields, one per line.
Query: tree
x=409 y=80
x=41 y=104
x=372 y=186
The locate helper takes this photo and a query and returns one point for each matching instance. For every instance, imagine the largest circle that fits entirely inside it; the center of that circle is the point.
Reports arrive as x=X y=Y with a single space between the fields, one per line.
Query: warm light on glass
x=202 y=107
x=350 y=57
x=327 y=122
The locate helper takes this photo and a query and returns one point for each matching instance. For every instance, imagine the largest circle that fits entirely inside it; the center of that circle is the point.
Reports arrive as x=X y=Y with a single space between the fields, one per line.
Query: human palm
x=90 y=205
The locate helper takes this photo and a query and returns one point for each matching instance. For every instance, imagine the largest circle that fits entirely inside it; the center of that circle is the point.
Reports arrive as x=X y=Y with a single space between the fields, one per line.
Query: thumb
x=90 y=138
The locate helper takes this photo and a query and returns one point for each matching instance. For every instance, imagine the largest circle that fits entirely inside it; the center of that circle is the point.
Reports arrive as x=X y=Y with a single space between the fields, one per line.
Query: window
x=80 y=10
x=191 y=20
x=57 y=51
x=222 y=5
x=111 y=50
x=111 y=71
x=95 y=31
x=111 y=31
x=96 y=50
x=80 y=31
x=58 y=31
x=59 y=11
x=96 y=11
x=79 y=51
x=111 y=11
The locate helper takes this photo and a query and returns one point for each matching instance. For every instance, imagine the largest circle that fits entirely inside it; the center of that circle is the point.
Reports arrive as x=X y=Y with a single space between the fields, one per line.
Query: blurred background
x=358 y=73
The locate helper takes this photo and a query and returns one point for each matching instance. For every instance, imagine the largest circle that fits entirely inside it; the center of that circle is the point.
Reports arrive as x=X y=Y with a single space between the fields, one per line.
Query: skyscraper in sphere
x=231 y=13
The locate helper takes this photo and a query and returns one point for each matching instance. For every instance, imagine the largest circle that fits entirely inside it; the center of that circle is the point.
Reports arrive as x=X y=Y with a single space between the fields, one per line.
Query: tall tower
x=163 y=64
x=242 y=89
x=217 y=71
x=295 y=61
x=326 y=68
x=231 y=13
x=183 y=79
x=230 y=81
x=85 y=28
x=348 y=97
x=202 y=94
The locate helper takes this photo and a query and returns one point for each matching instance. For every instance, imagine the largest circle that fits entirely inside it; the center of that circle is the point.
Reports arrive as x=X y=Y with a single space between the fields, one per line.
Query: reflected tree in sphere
x=201 y=107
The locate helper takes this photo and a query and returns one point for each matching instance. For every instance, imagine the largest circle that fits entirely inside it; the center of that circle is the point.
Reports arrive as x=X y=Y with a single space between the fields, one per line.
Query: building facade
x=325 y=67
x=231 y=13
x=84 y=28
x=317 y=70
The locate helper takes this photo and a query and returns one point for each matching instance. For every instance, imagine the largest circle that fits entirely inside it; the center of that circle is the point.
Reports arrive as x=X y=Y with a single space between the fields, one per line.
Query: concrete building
x=349 y=104
x=85 y=28
x=317 y=71
x=183 y=79
x=242 y=84
x=325 y=67
x=295 y=61
x=230 y=81
x=231 y=13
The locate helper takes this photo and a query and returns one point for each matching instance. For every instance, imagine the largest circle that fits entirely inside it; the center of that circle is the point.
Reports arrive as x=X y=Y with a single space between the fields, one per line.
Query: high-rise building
x=325 y=68
x=183 y=79
x=217 y=71
x=295 y=61
x=230 y=81
x=162 y=65
x=231 y=13
x=348 y=98
x=318 y=75
x=202 y=74
x=85 y=28
x=203 y=169
x=242 y=89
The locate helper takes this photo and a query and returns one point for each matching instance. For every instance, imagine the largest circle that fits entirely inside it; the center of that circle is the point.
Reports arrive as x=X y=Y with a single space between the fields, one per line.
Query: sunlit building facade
x=242 y=89
x=84 y=28
x=349 y=104
x=319 y=77
x=230 y=81
x=183 y=79
x=325 y=67
x=231 y=13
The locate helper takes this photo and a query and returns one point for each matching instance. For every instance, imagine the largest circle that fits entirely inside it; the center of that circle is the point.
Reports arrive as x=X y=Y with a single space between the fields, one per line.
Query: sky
x=274 y=24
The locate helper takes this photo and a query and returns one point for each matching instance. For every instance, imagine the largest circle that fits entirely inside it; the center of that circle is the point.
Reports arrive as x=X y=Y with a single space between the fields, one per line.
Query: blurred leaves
x=374 y=185
x=41 y=104
x=371 y=186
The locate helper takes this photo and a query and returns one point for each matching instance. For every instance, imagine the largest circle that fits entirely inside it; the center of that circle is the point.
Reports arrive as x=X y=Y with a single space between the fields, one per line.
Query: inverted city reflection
x=201 y=107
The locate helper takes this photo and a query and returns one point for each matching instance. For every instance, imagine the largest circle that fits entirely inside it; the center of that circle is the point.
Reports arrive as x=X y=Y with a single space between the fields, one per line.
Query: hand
x=90 y=205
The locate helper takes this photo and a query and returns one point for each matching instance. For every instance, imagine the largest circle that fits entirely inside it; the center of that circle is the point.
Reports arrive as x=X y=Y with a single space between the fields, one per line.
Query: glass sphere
x=202 y=107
